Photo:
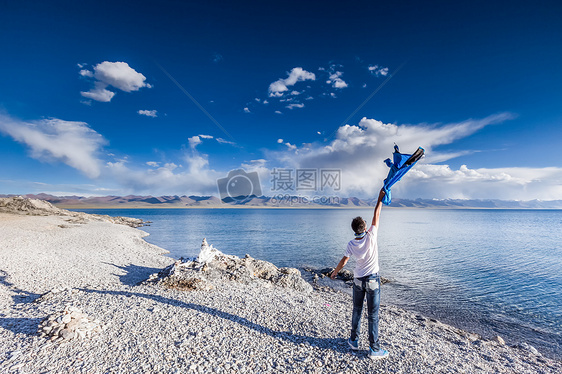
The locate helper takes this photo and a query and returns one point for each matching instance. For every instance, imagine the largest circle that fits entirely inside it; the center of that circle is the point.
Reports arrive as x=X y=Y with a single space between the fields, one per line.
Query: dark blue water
x=495 y=272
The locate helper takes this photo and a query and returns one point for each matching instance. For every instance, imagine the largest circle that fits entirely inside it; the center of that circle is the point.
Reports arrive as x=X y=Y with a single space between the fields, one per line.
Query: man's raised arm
x=378 y=209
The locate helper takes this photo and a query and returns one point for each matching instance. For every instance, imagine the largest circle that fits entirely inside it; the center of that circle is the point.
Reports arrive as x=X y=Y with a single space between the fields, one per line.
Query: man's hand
x=340 y=266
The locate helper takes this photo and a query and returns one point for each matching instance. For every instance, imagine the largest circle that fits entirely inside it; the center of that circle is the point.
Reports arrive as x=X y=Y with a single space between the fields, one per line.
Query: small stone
x=56 y=331
x=500 y=340
x=66 y=334
x=76 y=314
x=72 y=325
x=530 y=348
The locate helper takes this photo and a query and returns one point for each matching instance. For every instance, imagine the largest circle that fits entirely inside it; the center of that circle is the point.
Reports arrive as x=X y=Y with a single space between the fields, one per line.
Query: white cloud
x=223 y=141
x=116 y=74
x=440 y=181
x=99 y=93
x=194 y=141
x=246 y=110
x=120 y=75
x=295 y=105
x=197 y=178
x=170 y=166
x=298 y=74
x=359 y=150
x=86 y=73
x=73 y=143
x=378 y=70
x=336 y=81
x=266 y=102
x=148 y=113
x=291 y=147
x=278 y=112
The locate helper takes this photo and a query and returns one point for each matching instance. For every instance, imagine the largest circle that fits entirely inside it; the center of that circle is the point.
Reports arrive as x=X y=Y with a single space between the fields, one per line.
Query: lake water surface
x=495 y=272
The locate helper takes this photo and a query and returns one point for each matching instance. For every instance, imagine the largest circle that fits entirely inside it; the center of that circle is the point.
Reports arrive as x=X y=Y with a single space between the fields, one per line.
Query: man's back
x=365 y=251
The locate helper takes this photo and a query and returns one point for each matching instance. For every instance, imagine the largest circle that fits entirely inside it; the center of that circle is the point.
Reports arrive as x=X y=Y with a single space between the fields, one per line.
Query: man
x=366 y=280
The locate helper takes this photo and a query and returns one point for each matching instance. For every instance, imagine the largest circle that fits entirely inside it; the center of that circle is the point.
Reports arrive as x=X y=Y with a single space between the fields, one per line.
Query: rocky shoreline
x=127 y=308
x=34 y=207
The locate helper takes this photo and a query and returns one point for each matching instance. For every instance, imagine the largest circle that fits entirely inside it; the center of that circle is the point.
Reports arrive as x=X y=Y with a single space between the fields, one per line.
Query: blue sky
x=95 y=96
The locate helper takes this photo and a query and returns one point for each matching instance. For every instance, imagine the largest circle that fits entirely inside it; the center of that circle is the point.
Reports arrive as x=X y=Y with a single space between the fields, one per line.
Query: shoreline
x=150 y=328
x=112 y=207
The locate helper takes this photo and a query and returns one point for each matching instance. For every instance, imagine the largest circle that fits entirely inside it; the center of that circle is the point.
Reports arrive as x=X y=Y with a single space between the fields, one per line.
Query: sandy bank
x=39 y=253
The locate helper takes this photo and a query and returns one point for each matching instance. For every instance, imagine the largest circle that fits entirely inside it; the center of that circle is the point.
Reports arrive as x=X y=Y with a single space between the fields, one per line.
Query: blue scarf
x=361 y=236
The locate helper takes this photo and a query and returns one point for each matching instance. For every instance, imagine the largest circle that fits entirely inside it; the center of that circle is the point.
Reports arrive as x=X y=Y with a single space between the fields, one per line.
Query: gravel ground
x=234 y=328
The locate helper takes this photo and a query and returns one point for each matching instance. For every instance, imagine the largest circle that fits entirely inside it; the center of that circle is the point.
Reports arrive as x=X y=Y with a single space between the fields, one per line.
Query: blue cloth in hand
x=402 y=163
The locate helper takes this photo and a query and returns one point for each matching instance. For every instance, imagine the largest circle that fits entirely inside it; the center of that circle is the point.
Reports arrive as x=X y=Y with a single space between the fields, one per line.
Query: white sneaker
x=377 y=355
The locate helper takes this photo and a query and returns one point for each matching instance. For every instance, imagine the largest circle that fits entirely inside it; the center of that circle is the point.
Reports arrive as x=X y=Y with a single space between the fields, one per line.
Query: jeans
x=368 y=286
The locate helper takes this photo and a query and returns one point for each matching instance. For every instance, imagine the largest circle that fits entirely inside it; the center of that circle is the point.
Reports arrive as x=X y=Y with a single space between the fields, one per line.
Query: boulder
x=211 y=268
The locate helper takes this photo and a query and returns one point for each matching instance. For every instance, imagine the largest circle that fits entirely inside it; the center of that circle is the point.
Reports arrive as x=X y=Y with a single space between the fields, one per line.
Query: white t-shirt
x=366 y=252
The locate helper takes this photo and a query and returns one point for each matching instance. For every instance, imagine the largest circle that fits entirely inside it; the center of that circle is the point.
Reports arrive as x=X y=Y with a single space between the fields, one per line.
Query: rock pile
x=212 y=267
x=344 y=275
x=36 y=207
x=69 y=324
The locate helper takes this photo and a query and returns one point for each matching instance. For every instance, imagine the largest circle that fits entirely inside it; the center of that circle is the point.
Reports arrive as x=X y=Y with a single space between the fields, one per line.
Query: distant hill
x=134 y=201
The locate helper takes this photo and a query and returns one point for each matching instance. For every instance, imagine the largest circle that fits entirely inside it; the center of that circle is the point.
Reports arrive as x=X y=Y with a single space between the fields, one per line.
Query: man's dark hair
x=358 y=225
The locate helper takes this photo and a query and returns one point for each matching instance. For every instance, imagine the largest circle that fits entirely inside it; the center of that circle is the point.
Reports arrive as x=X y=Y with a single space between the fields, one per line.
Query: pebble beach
x=58 y=270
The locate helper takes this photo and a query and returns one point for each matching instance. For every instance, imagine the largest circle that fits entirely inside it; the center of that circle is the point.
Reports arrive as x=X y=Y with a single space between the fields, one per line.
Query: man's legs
x=373 y=287
x=358 y=297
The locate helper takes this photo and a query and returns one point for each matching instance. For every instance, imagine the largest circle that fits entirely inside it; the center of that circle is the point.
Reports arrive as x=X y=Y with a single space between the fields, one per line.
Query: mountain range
x=175 y=201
